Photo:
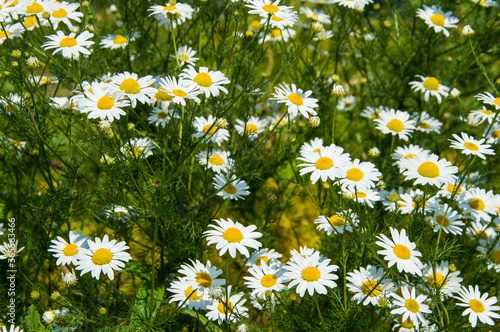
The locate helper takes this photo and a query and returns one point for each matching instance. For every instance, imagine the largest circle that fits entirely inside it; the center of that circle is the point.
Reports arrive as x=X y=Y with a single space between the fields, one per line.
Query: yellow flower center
x=271 y=8
x=410 y=156
x=70 y=250
x=169 y=8
x=336 y=221
x=424 y=125
x=105 y=103
x=135 y=151
x=5 y=33
x=407 y=324
x=495 y=256
x=437 y=19
x=487 y=112
x=361 y=194
x=375 y=115
x=194 y=296
x=317 y=150
x=203 y=79
x=355 y=174
x=495 y=133
x=497 y=101
x=269 y=280
x=248 y=33
x=471 y=146
x=412 y=305
x=34 y=8
x=68 y=42
x=482 y=235
x=451 y=188
x=477 y=204
x=476 y=305
x=130 y=86
x=162 y=115
x=324 y=163
x=396 y=125
x=232 y=235
x=102 y=256
x=216 y=160
x=371 y=286
x=60 y=13
x=401 y=251
x=209 y=129
x=276 y=18
x=436 y=280
x=30 y=21
x=251 y=129
x=255 y=24
x=184 y=57
x=259 y=260
x=204 y=279
x=223 y=308
x=314 y=16
x=179 y=93
x=428 y=170
x=163 y=95
x=296 y=99
x=119 y=40
x=445 y=222
x=431 y=83
x=311 y=274
x=275 y=33
x=121 y=214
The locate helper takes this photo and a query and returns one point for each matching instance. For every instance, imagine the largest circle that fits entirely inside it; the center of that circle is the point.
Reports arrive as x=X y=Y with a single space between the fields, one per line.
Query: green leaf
x=33 y=321
x=141 y=311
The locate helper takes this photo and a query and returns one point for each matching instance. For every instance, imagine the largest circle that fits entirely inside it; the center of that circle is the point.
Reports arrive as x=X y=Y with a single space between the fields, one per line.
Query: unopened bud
x=394 y=197
x=221 y=123
x=314 y=121
x=338 y=90
x=467 y=31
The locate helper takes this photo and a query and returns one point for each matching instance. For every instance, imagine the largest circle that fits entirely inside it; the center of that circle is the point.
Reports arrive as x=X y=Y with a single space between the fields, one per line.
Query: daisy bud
x=314 y=121
x=35 y=294
x=69 y=278
x=49 y=317
x=104 y=125
x=90 y=28
x=374 y=152
x=454 y=93
x=15 y=63
x=348 y=195
x=418 y=198
x=394 y=197
x=46 y=15
x=467 y=31
x=130 y=126
x=318 y=27
x=338 y=90
x=387 y=24
x=55 y=295
x=215 y=292
x=363 y=80
x=221 y=123
x=452 y=267
x=383 y=302
x=85 y=3
x=16 y=54
x=242 y=328
x=32 y=62
x=376 y=6
x=102 y=311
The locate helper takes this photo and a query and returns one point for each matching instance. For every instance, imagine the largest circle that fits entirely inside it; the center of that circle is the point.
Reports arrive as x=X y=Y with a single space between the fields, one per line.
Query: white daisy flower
x=6 y=7
x=180 y=90
x=231 y=188
x=323 y=35
x=493 y=135
x=12 y=328
x=491 y=252
x=484 y=115
x=34 y=7
x=216 y=160
x=365 y=196
x=489 y=99
x=313 y=146
x=281 y=20
x=315 y=15
x=101 y=102
x=306 y=252
x=449 y=190
x=9 y=250
x=119 y=213
x=277 y=35
x=11 y=31
x=137 y=148
x=208 y=82
x=346 y=103
x=208 y=130
x=170 y=16
x=69 y=46
x=481 y=232
x=479 y=203
x=186 y=55
x=478 y=306
x=368 y=285
x=184 y=293
x=447 y=219
x=360 y=175
x=469 y=145
x=372 y=113
x=266 y=255
x=436 y=18
x=252 y=127
x=429 y=170
x=327 y=164
x=266 y=278
x=395 y=123
x=160 y=116
x=310 y=274
x=231 y=236
x=114 y=42
x=69 y=278
x=133 y=87
x=486 y=3
x=353 y=4
x=400 y=251
x=431 y=87
x=401 y=153
x=65 y=12
x=67 y=253
x=232 y=309
x=103 y=256
x=266 y=7
x=441 y=279
x=295 y=99
x=278 y=119
x=427 y=124
x=412 y=202
x=201 y=277
x=339 y=222
x=411 y=306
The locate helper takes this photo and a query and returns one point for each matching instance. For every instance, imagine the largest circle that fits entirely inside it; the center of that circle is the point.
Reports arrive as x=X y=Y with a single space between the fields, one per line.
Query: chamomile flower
x=6 y=7
x=186 y=55
x=413 y=202
x=200 y=276
x=184 y=293
x=323 y=35
x=133 y=87
x=34 y=7
x=266 y=7
x=180 y=90
x=231 y=188
x=295 y=99
x=69 y=278
x=231 y=236
x=430 y=86
x=436 y=18
x=472 y=146
x=484 y=115
x=360 y=175
x=479 y=203
x=427 y=124
x=269 y=256
x=372 y=113
x=441 y=279
x=11 y=31
x=328 y=164
x=489 y=99
x=207 y=82
x=481 y=232
x=216 y=160
x=478 y=306
x=281 y=20
x=65 y=12
x=278 y=119
x=265 y=278
x=170 y=15
x=12 y=328
x=160 y=116
x=365 y=196
x=411 y=306
x=315 y=15
x=120 y=213
x=447 y=219
x=346 y=103
x=493 y=135
x=69 y=46
x=306 y=252
x=232 y=309
x=310 y=274
x=103 y=256
x=338 y=222
x=369 y=285
x=67 y=253
x=114 y=42
x=313 y=146
x=429 y=170
x=491 y=252
x=449 y=190
x=353 y=4
x=252 y=127
x=209 y=131
x=402 y=153
x=101 y=102
x=397 y=123
x=277 y=35
x=9 y=250
x=400 y=251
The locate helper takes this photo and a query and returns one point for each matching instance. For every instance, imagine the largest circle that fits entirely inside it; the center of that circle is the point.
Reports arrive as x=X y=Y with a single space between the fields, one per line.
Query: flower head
x=400 y=251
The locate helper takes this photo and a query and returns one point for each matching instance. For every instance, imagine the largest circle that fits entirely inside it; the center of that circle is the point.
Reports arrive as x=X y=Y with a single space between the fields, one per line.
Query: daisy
x=67 y=253
x=400 y=251
x=160 y=116
x=484 y=115
x=10 y=31
x=402 y=153
x=31 y=22
x=6 y=7
x=365 y=196
x=201 y=277
x=208 y=82
x=114 y=42
x=310 y=274
x=266 y=255
x=413 y=201
x=369 y=285
x=479 y=203
x=171 y=15
x=34 y=7
x=306 y=252
x=231 y=309
x=315 y=15
x=481 y=232
x=209 y=131
x=186 y=55
x=353 y=4
x=133 y=87
x=469 y=145
x=69 y=278
x=69 y=46
x=346 y=104
x=411 y=306
x=427 y=124
x=253 y=127
x=314 y=145
x=492 y=254
x=65 y=12
x=327 y=164
x=281 y=20
x=429 y=170
x=179 y=90
x=431 y=87
x=104 y=256
x=231 y=188
x=138 y=148
x=277 y=35
x=9 y=250
x=373 y=112
x=338 y=221
x=101 y=102
x=184 y=293
x=441 y=279
x=323 y=35
x=278 y=120
x=478 y=306
x=119 y=213
x=395 y=123
x=447 y=219
x=231 y=236
x=216 y=160
x=436 y=18
x=449 y=190
x=360 y=175
x=12 y=328
x=486 y=3
x=266 y=7
x=489 y=99
x=492 y=135
x=63 y=103
x=266 y=278
x=295 y=99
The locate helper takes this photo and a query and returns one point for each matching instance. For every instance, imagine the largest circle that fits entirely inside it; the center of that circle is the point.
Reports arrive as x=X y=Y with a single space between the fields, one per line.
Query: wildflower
x=265 y=278
x=268 y=256
x=353 y=4
x=296 y=100
x=222 y=123
x=230 y=309
x=11 y=31
x=101 y=102
x=467 y=31
x=411 y=306
x=6 y=8
x=484 y=115
x=493 y=135
x=314 y=121
x=306 y=252
x=180 y=90
x=253 y=127
x=207 y=82
x=103 y=256
x=454 y=93
x=436 y=18
x=216 y=160
x=323 y=35
x=413 y=201
x=69 y=46
x=215 y=292
x=69 y=278
x=491 y=252
x=429 y=170
x=280 y=20
x=208 y=130
x=277 y=35
x=374 y=152
x=64 y=12
x=120 y=213
x=347 y=103
x=400 y=251
x=12 y=328
x=442 y=279
x=469 y=145
x=232 y=188
x=360 y=175
x=479 y=203
x=231 y=236
x=397 y=123
x=114 y=42
x=137 y=148
x=186 y=55
x=133 y=87
x=315 y=15
x=49 y=317
x=448 y=190
x=161 y=116
x=368 y=285
x=327 y=164
x=266 y=7
x=318 y=27
x=447 y=219
x=67 y=253
x=55 y=295
x=478 y=306
x=32 y=62
x=431 y=87
x=338 y=90
x=313 y=146
x=171 y=15
x=489 y=99
x=339 y=222
x=427 y=124
x=187 y=296
x=200 y=276
x=35 y=294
